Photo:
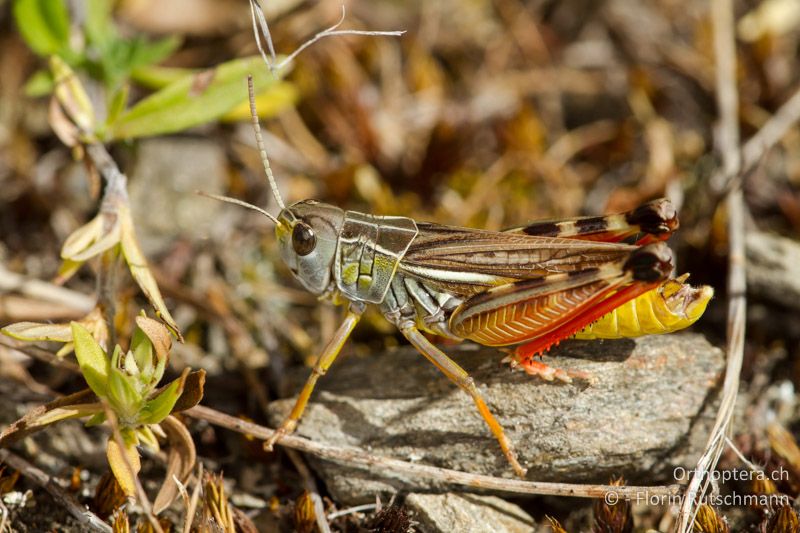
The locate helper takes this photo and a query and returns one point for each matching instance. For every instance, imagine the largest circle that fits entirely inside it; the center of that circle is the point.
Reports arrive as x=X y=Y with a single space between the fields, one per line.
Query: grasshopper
x=528 y=287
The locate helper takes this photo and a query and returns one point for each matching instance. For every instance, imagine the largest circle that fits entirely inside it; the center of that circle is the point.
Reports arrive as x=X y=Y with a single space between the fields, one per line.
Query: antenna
x=260 y=142
x=230 y=200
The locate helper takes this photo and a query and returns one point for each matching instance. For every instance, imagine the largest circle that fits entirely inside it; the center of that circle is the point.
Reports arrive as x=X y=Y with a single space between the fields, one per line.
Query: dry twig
x=359 y=458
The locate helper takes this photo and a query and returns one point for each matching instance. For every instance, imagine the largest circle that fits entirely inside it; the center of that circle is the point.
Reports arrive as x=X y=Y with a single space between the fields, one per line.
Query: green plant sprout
x=123 y=391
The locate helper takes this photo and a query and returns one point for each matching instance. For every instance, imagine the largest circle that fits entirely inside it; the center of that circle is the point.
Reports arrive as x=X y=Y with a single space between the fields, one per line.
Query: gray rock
x=648 y=410
x=167 y=172
x=450 y=512
x=773 y=268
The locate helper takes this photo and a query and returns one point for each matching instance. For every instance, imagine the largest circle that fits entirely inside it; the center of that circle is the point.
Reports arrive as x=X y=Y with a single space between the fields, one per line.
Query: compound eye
x=303 y=239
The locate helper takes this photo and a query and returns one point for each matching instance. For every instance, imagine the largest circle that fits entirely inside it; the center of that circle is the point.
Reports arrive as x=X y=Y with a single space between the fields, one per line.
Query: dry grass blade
x=728 y=145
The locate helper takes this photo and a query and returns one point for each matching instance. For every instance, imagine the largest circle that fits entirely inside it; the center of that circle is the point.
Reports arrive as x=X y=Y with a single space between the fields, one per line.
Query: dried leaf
x=72 y=96
x=38 y=332
x=92 y=359
x=116 y=456
x=181 y=458
x=108 y=496
x=72 y=406
x=7 y=480
x=158 y=335
x=192 y=391
x=141 y=273
x=63 y=127
x=93 y=238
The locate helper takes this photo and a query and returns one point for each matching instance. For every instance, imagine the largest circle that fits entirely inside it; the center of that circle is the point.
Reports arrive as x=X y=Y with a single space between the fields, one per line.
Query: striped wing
x=651 y=222
x=465 y=262
x=547 y=309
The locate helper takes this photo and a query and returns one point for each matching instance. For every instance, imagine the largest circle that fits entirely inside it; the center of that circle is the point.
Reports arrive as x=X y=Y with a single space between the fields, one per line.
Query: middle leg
x=461 y=378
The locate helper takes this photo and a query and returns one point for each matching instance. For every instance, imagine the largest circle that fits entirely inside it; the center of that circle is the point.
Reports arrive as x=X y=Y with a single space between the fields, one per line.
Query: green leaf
x=99 y=25
x=155 y=77
x=269 y=102
x=39 y=84
x=193 y=100
x=44 y=24
x=91 y=358
x=160 y=341
x=123 y=395
x=142 y=350
x=142 y=53
x=147 y=438
x=95 y=420
x=117 y=104
x=157 y=409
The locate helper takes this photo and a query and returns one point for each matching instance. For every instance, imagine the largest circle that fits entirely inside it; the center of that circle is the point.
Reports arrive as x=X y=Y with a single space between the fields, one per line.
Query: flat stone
x=773 y=268
x=445 y=513
x=648 y=409
x=167 y=173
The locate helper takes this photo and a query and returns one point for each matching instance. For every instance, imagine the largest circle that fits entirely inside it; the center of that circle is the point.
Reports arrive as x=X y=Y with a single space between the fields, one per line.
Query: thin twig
x=728 y=144
x=84 y=516
x=359 y=458
x=192 y=507
x=353 y=510
x=768 y=136
x=115 y=194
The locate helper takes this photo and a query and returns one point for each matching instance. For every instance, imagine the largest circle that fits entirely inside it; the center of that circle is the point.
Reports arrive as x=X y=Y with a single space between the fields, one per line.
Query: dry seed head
x=708 y=520
x=217 y=515
x=392 y=519
x=784 y=445
x=784 y=520
x=304 y=517
x=120 y=523
x=613 y=518
x=556 y=525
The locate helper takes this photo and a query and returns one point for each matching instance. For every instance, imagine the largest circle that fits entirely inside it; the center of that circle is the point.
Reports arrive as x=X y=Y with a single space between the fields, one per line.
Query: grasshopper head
x=307 y=234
